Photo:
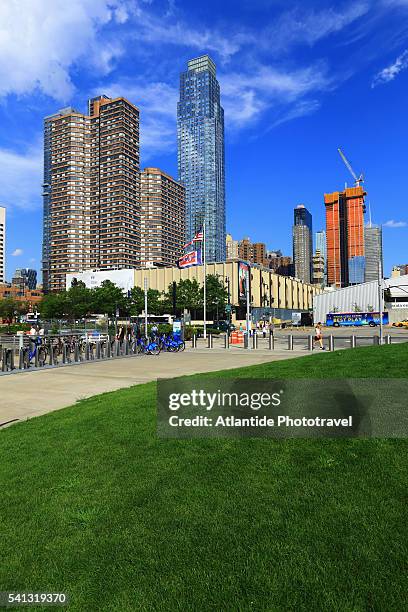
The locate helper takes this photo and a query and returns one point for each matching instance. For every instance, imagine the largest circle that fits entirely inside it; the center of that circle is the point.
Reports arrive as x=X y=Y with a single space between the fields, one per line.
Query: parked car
x=223 y=326
x=403 y=323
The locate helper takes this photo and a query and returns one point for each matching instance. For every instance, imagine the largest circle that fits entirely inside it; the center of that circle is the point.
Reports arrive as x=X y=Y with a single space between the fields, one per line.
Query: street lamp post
x=380 y=300
x=145 y=303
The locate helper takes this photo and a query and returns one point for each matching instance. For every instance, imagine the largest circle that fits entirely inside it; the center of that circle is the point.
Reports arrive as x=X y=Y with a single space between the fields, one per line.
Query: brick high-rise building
x=259 y=253
x=345 y=236
x=163 y=212
x=91 y=190
x=246 y=250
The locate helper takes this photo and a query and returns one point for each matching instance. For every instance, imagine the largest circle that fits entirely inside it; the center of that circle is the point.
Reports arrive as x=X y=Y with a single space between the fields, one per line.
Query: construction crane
x=357 y=180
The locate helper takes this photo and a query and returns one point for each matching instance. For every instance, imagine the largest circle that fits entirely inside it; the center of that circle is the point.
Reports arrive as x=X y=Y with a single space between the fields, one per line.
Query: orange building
x=8 y=290
x=345 y=236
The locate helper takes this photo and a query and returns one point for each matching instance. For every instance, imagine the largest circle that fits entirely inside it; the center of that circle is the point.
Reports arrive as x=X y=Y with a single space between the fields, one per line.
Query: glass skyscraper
x=200 y=131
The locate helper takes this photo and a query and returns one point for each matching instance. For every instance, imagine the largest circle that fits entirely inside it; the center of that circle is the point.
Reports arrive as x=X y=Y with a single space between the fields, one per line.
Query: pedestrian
x=264 y=329
x=153 y=331
x=121 y=334
x=318 y=337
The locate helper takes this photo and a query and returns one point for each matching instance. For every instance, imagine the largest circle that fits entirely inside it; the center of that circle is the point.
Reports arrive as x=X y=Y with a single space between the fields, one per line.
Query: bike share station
x=22 y=353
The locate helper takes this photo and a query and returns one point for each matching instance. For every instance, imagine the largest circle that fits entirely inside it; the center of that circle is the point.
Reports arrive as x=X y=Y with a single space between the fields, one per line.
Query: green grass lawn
x=94 y=504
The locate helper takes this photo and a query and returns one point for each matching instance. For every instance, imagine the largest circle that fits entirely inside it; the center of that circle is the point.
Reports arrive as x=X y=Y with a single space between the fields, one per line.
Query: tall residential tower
x=200 y=131
x=302 y=244
x=163 y=212
x=91 y=190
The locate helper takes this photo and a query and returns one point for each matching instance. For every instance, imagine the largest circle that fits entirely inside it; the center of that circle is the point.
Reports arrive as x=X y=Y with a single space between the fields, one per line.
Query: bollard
x=226 y=341
x=51 y=359
x=194 y=341
x=76 y=352
x=2 y=358
x=254 y=341
x=20 y=341
x=98 y=349
x=388 y=339
x=246 y=340
x=352 y=342
x=376 y=340
x=64 y=353
x=117 y=348
x=290 y=342
x=87 y=351
x=108 y=348
x=210 y=341
x=21 y=359
x=310 y=343
x=271 y=342
x=126 y=346
x=331 y=343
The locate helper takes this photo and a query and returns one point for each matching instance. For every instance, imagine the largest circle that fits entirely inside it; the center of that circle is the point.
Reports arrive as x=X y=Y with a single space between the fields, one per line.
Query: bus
x=357 y=319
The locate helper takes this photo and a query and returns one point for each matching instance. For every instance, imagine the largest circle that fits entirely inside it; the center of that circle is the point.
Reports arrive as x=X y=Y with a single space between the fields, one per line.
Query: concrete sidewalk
x=32 y=393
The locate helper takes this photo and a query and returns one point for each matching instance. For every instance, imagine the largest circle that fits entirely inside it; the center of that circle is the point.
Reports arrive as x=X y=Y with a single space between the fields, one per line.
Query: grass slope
x=92 y=503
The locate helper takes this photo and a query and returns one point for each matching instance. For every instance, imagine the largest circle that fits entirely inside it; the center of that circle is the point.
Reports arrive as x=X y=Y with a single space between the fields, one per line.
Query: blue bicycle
x=146 y=346
x=172 y=344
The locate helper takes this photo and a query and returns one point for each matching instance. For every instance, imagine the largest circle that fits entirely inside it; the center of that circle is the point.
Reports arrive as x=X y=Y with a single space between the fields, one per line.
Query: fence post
x=331 y=343
x=290 y=342
x=271 y=342
x=51 y=359
x=310 y=343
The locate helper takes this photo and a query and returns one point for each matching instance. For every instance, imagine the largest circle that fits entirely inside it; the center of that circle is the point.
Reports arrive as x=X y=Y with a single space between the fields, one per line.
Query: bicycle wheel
x=181 y=346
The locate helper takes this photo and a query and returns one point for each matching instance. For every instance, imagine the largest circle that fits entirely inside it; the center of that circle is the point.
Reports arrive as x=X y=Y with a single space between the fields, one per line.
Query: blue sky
x=298 y=79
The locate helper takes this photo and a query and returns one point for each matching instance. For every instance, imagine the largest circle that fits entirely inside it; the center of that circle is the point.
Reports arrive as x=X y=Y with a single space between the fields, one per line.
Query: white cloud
x=21 y=178
x=390 y=72
x=40 y=42
x=247 y=95
x=17 y=252
x=308 y=27
x=394 y=224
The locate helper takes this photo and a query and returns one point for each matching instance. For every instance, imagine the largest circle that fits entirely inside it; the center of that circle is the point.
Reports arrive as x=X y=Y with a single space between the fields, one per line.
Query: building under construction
x=345 y=236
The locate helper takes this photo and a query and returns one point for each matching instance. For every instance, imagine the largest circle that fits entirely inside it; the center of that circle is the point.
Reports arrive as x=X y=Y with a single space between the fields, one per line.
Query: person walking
x=318 y=337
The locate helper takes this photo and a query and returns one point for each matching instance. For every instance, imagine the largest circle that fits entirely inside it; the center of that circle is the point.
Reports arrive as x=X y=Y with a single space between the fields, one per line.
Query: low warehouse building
x=365 y=298
x=271 y=295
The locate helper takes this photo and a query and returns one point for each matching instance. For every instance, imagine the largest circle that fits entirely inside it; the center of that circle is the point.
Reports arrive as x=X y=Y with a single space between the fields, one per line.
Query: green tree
x=107 y=298
x=78 y=301
x=9 y=308
x=52 y=306
x=217 y=295
x=189 y=296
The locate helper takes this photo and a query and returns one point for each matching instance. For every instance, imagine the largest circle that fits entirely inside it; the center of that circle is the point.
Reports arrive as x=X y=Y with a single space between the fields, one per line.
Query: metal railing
x=23 y=353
